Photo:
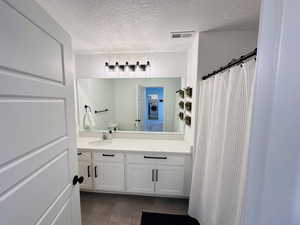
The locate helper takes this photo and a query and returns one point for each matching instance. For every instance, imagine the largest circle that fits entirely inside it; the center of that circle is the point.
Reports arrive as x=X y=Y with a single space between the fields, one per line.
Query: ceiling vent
x=182 y=34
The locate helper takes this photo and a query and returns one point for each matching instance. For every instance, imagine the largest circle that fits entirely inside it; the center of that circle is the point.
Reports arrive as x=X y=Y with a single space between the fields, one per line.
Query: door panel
x=44 y=117
x=110 y=176
x=170 y=180
x=27 y=86
x=12 y=173
x=39 y=189
x=23 y=42
x=38 y=147
x=139 y=179
x=55 y=208
x=64 y=217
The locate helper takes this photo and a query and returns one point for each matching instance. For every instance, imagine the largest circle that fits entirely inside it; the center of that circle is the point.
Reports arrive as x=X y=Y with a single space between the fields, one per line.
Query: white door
x=109 y=176
x=38 y=153
x=169 y=180
x=140 y=179
x=85 y=170
x=140 y=107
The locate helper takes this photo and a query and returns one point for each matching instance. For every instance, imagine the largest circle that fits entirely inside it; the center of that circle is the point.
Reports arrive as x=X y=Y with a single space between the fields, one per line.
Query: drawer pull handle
x=79 y=153
x=88 y=169
x=154 y=157
x=152 y=175
x=96 y=175
x=108 y=155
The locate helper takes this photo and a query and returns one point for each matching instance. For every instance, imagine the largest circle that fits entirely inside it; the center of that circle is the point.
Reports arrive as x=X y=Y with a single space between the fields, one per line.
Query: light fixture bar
x=132 y=67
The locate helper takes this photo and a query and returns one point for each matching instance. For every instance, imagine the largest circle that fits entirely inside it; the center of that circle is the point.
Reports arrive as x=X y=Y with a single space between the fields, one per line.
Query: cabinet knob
x=77 y=179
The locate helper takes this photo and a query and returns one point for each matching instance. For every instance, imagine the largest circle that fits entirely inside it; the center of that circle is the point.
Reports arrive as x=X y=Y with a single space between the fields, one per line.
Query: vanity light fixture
x=132 y=67
x=143 y=67
x=110 y=67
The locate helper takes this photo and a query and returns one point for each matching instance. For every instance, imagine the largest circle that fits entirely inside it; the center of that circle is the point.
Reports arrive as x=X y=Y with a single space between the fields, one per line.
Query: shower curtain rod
x=234 y=62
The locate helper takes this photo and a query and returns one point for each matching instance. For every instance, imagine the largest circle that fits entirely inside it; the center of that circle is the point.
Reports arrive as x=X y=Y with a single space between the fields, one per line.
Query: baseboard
x=133 y=193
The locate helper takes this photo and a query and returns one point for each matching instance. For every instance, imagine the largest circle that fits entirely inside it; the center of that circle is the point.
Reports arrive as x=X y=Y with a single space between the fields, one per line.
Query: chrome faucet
x=107 y=135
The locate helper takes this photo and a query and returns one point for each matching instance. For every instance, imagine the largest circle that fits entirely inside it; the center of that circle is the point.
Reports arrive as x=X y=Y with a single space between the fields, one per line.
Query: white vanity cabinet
x=140 y=179
x=155 y=173
x=169 y=180
x=109 y=173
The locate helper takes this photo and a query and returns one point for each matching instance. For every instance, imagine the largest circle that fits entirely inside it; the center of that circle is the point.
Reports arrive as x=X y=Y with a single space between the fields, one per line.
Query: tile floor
x=113 y=209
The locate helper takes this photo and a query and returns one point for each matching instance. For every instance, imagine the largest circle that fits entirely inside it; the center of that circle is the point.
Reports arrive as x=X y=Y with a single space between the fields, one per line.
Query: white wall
x=217 y=48
x=191 y=81
x=163 y=64
x=273 y=187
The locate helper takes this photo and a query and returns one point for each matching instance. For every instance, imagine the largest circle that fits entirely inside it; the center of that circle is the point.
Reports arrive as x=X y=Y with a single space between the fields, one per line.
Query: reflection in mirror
x=129 y=104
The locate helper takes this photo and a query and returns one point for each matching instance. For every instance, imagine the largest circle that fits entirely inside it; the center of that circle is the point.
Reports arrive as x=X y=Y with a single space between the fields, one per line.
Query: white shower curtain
x=221 y=152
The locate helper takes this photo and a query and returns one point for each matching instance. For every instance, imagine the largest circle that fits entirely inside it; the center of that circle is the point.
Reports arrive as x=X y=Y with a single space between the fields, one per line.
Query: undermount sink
x=100 y=142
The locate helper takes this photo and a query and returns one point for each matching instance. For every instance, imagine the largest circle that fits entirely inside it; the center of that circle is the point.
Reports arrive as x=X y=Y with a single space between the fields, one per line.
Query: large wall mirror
x=129 y=104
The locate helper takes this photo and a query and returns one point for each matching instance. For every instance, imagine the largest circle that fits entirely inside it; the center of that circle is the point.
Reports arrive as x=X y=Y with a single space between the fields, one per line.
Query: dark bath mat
x=167 y=219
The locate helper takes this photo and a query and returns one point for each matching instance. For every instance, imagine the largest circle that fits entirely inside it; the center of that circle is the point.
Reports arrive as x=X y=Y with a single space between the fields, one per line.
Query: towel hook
x=87 y=107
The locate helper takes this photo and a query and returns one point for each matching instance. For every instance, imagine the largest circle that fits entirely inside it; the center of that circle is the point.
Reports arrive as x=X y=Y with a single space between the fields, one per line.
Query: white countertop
x=134 y=145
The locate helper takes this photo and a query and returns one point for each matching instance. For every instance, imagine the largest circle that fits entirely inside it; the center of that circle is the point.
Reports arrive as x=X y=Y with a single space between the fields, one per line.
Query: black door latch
x=77 y=179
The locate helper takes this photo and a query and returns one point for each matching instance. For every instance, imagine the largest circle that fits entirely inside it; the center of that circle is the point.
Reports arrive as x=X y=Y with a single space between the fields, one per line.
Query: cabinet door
x=109 y=176
x=169 y=180
x=140 y=179
x=85 y=170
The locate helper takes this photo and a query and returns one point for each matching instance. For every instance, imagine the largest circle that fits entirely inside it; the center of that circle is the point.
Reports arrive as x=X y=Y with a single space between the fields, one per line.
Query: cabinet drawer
x=84 y=155
x=155 y=159
x=108 y=157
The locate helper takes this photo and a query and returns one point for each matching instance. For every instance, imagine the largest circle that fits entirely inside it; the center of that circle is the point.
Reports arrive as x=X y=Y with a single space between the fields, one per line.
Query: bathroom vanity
x=147 y=154
x=155 y=167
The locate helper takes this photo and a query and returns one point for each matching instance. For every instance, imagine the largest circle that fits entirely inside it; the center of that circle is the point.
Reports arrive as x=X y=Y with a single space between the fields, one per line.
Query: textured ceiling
x=145 y=25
